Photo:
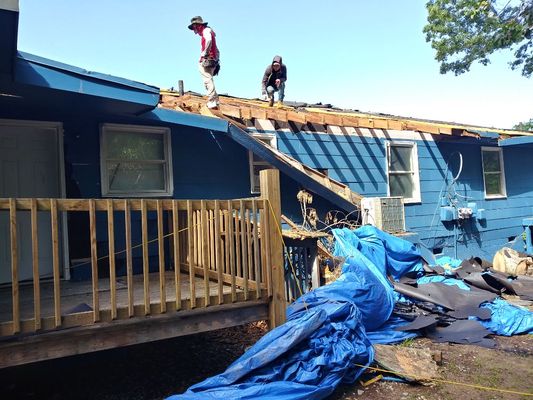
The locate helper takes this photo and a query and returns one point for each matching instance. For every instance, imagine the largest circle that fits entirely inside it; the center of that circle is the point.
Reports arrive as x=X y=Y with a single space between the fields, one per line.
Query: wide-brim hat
x=197 y=20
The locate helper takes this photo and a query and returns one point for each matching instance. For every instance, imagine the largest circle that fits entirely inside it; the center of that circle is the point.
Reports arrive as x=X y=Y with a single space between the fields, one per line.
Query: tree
x=524 y=126
x=465 y=31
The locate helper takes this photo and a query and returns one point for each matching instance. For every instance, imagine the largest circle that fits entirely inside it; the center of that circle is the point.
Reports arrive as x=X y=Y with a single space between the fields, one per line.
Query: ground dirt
x=157 y=370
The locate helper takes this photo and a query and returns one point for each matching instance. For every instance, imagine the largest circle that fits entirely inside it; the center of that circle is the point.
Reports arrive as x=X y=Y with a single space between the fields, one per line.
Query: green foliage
x=524 y=126
x=465 y=31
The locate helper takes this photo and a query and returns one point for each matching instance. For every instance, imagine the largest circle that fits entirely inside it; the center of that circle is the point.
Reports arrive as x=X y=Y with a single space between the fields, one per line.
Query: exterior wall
x=206 y=165
x=357 y=157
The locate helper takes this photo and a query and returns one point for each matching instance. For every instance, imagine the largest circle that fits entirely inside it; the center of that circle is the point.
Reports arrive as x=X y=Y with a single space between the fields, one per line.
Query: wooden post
x=14 y=265
x=35 y=265
x=161 y=251
x=129 y=263
x=270 y=190
x=146 y=266
x=55 y=262
x=112 y=267
x=190 y=235
x=219 y=265
x=94 y=260
x=176 y=241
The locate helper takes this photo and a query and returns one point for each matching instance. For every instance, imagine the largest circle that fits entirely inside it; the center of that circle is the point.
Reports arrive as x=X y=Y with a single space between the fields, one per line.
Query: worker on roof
x=209 y=64
x=274 y=81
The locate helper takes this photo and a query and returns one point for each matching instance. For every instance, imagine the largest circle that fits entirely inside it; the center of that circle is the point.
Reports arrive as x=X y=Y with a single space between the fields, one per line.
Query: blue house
x=92 y=167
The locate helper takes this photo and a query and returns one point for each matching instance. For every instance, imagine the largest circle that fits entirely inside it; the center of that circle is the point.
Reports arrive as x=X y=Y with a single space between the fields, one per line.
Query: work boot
x=212 y=104
x=271 y=101
x=279 y=104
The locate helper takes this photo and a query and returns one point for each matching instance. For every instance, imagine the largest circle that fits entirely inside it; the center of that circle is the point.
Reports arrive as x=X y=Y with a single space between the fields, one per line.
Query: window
x=258 y=164
x=402 y=168
x=135 y=161
x=493 y=175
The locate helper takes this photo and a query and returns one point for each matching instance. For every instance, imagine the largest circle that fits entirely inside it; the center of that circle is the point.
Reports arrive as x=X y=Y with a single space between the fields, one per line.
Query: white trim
x=58 y=127
x=272 y=138
x=503 y=186
x=415 y=174
x=168 y=172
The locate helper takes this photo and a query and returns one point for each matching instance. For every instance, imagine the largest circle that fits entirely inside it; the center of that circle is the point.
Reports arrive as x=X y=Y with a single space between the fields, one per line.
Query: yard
x=156 y=370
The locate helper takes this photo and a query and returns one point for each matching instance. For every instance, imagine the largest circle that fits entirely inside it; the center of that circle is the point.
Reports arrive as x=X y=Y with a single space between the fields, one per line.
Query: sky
x=364 y=55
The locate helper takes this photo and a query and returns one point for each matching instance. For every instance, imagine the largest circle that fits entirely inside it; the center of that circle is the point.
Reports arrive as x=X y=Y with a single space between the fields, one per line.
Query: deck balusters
x=223 y=248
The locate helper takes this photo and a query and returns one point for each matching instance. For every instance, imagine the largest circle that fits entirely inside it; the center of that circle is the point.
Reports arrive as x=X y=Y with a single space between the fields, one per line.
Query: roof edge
x=32 y=58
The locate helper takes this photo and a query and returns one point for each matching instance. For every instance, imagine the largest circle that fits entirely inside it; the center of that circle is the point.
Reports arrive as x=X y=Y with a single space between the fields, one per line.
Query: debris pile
x=386 y=293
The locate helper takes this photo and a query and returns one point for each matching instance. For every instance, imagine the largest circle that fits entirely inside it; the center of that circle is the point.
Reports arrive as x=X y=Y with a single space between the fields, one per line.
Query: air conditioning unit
x=385 y=213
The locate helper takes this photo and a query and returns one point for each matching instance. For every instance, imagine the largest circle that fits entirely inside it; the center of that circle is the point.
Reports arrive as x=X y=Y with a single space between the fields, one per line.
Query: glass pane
x=135 y=146
x=401 y=185
x=135 y=177
x=493 y=184
x=491 y=161
x=400 y=158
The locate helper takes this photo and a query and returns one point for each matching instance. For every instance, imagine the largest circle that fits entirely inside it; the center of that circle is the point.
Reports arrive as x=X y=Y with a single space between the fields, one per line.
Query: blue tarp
x=507 y=319
x=329 y=331
x=325 y=333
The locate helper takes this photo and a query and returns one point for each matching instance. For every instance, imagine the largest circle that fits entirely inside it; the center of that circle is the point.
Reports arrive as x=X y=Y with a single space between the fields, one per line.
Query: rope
x=481 y=387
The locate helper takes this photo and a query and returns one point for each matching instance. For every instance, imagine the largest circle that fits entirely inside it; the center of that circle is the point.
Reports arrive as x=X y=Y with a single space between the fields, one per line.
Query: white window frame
x=503 y=186
x=168 y=173
x=415 y=173
x=273 y=142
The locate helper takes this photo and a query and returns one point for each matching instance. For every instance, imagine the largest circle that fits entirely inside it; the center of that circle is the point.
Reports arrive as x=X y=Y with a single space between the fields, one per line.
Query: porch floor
x=77 y=296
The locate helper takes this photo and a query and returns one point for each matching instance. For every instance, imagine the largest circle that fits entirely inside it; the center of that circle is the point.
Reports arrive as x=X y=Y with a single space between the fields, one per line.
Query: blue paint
x=72 y=70
x=514 y=141
x=8 y=42
x=360 y=162
x=486 y=134
x=182 y=118
x=57 y=76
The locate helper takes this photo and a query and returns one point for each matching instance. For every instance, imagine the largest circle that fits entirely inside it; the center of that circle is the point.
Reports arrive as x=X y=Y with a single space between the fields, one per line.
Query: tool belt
x=209 y=62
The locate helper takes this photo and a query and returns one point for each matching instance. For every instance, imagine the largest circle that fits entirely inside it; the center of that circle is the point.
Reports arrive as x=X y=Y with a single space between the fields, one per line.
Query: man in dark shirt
x=274 y=81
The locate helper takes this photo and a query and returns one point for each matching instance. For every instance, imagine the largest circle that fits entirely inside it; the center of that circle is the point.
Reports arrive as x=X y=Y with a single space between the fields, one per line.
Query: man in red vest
x=209 y=58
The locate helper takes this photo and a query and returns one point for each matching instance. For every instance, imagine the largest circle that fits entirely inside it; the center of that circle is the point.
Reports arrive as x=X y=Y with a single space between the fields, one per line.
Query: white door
x=29 y=167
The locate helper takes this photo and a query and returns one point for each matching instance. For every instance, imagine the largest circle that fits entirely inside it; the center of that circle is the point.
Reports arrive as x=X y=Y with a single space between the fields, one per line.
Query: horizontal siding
x=360 y=162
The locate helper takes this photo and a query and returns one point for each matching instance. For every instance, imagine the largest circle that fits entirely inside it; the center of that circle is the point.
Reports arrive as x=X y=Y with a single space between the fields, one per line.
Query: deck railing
x=220 y=253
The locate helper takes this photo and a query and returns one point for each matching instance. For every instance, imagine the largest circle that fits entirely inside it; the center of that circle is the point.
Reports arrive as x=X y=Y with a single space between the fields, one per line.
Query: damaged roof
x=244 y=111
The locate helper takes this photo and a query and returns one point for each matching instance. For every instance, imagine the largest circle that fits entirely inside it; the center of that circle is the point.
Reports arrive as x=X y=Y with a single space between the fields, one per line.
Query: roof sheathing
x=242 y=110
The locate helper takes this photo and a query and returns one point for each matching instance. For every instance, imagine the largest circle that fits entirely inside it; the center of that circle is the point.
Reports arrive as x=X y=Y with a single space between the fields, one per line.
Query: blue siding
x=360 y=162
x=206 y=165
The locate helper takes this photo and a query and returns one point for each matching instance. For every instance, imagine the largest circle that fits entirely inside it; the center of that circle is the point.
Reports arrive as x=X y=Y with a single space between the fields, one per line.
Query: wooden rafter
x=244 y=109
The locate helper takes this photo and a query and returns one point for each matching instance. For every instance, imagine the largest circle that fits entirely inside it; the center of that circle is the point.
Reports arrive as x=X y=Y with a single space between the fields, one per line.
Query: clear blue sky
x=358 y=54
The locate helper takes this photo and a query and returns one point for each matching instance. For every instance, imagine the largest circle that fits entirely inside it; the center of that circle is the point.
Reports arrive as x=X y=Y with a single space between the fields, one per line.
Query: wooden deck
x=76 y=297
x=217 y=263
